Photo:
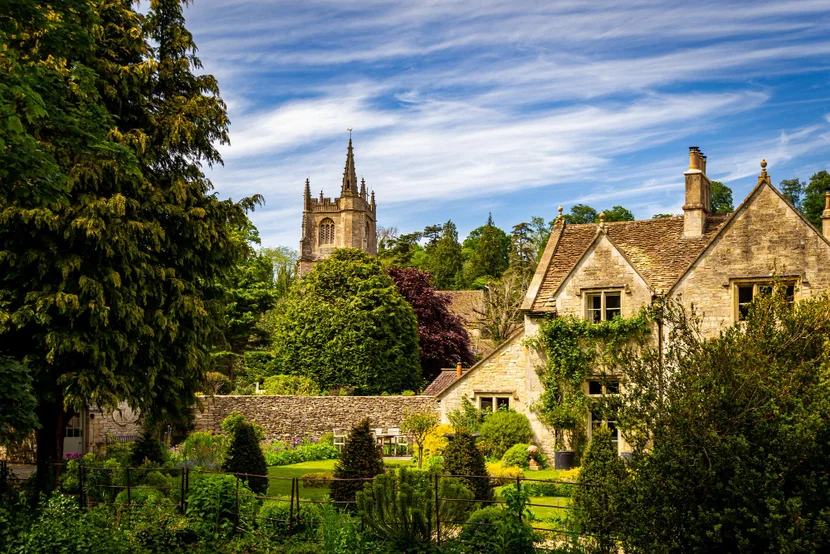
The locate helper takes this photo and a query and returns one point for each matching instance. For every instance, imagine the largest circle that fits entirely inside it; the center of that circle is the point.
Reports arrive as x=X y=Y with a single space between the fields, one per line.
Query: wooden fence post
x=518 y=491
x=291 y=506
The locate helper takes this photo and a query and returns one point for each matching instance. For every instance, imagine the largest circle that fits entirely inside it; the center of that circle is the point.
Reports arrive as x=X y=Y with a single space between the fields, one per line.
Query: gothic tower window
x=327 y=231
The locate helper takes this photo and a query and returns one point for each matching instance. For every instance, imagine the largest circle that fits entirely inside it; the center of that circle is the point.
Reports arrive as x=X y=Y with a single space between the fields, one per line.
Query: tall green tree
x=540 y=233
x=813 y=203
x=346 y=325
x=720 y=198
x=445 y=258
x=618 y=213
x=792 y=189
x=522 y=249
x=581 y=213
x=491 y=249
x=248 y=292
x=107 y=295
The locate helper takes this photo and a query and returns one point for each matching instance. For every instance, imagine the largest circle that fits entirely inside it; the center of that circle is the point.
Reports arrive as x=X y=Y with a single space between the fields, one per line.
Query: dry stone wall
x=284 y=417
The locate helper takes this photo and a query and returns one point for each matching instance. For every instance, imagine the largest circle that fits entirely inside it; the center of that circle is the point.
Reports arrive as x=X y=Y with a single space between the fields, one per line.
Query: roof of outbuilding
x=656 y=248
x=465 y=304
x=446 y=378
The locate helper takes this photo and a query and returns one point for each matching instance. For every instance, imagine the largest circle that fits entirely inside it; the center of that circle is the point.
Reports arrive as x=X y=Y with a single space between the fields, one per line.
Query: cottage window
x=603 y=305
x=493 y=403
x=598 y=387
x=746 y=291
x=327 y=231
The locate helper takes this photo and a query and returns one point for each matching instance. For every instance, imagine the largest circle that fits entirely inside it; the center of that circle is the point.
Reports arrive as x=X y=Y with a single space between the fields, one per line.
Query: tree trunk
x=49 y=441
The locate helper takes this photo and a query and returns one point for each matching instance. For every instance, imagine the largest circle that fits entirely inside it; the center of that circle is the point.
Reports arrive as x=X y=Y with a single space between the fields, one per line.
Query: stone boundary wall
x=284 y=417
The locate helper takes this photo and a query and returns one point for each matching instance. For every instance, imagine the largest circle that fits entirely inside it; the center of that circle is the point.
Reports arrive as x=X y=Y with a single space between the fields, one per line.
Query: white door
x=73 y=437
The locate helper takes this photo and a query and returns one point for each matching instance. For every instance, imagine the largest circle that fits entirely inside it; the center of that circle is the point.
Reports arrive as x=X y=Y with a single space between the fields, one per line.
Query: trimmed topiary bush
x=504 y=429
x=245 y=456
x=360 y=459
x=516 y=456
x=463 y=457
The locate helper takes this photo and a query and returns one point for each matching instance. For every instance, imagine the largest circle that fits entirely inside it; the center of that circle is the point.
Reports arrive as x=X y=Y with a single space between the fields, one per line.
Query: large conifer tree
x=105 y=294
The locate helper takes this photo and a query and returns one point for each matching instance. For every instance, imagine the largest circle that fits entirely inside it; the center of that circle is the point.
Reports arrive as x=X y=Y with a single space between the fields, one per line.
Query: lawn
x=281 y=488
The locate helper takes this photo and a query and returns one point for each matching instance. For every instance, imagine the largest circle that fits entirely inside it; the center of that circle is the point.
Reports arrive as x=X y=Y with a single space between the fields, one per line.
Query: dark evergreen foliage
x=444 y=259
x=360 y=459
x=148 y=448
x=463 y=457
x=442 y=339
x=245 y=456
x=600 y=503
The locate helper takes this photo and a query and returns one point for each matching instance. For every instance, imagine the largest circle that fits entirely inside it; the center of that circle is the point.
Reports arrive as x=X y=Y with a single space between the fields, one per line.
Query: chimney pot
x=825 y=216
x=459 y=370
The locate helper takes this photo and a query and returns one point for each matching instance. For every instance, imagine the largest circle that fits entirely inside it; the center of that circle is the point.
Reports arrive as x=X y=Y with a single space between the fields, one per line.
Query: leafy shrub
x=211 y=504
x=273 y=518
x=463 y=457
x=119 y=452
x=503 y=474
x=258 y=364
x=501 y=530
x=399 y=506
x=516 y=456
x=317 y=480
x=218 y=383
x=140 y=497
x=245 y=456
x=360 y=459
x=434 y=464
x=148 y=448
x=326 y=438
x=504 y=429
x=63 y=527
x=295 y=385
x=235 y=419
x=468 y=418
x=436 y=442
x=408 y=393
x=278 y=453
x=158 y=527
x=203 y=450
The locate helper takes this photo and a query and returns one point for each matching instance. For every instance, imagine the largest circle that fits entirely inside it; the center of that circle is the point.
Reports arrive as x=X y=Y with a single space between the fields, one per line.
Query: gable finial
x=602 y=220
x=559 y=218
x=764 y=176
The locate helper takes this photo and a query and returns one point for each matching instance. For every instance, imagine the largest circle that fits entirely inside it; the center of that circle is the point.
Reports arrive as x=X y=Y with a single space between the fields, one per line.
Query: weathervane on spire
x=349 y=129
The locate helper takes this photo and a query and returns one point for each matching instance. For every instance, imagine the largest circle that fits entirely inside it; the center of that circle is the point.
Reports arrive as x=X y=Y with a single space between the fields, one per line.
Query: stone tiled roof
x=656 y=248
x=446 y=378
x=464 y=304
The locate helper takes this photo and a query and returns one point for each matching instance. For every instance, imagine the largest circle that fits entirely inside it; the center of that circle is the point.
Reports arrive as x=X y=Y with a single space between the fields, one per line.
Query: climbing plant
x=575 y=349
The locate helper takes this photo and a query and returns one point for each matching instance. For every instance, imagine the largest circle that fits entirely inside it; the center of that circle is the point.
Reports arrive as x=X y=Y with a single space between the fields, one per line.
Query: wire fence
x=127 y=486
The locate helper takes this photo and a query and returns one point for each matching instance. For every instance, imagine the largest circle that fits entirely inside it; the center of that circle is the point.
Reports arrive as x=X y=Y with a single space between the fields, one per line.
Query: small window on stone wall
x=493 y=402
x=603 y=306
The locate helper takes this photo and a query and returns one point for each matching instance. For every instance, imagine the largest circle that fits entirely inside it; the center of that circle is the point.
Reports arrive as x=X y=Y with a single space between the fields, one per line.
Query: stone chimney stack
x=697 y=204
x=825 y=216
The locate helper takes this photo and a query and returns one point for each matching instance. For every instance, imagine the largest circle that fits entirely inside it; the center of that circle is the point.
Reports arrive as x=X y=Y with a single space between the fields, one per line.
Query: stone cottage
x=599 y=271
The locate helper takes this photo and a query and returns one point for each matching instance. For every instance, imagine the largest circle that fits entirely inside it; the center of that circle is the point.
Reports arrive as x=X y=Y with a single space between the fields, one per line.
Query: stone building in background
x=718 y=262
x=348 y=221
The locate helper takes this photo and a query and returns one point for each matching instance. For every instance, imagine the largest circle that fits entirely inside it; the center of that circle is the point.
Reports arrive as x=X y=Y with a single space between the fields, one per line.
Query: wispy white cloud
x=455 y=101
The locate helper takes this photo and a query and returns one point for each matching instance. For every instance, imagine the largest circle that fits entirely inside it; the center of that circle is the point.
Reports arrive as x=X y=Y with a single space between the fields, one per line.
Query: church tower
x=348 y=221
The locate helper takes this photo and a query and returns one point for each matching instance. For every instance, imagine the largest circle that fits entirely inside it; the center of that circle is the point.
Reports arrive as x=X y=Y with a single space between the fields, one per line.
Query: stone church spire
x=307 y=196
x=349 y=176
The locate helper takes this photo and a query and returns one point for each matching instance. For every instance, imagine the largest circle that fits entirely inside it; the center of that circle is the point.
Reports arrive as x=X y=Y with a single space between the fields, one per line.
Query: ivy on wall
x=574 y=349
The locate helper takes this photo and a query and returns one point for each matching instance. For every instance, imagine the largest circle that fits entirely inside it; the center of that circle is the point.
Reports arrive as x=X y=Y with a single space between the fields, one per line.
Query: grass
x=281 y=488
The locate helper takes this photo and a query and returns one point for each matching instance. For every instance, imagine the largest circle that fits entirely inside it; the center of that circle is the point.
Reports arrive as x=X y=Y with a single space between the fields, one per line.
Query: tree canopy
x=442 y=339
x=347 y=325
x=720 y=198
x=109 y=268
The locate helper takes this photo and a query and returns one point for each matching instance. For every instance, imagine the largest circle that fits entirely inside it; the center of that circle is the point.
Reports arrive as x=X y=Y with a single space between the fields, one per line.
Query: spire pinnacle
x=349 y=176
x=362 y=188
x=307 y=195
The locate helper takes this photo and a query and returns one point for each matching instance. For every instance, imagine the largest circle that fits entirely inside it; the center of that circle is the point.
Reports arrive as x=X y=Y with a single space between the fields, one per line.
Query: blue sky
x=465 y=108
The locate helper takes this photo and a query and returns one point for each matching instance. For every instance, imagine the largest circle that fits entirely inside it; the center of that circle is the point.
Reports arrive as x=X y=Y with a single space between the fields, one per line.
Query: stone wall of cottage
x=602 y=268
x=766 y=238
x=509 y=371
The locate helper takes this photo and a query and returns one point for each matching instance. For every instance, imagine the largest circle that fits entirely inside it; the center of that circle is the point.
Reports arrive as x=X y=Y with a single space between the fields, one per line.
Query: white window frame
x=603 y=294
x=494 y=396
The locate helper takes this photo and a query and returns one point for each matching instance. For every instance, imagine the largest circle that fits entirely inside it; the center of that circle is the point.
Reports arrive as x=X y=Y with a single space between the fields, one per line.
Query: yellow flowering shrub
x=503 y=474
x=436 y=442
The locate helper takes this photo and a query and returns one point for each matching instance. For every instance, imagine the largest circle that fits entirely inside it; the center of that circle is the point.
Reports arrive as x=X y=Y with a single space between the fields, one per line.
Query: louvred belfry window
x=327 y=231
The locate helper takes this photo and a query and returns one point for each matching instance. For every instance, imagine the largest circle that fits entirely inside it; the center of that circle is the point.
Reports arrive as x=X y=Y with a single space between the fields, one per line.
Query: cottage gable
x=765 y=238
